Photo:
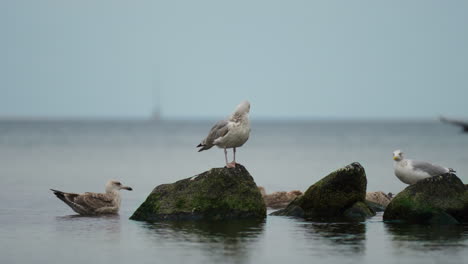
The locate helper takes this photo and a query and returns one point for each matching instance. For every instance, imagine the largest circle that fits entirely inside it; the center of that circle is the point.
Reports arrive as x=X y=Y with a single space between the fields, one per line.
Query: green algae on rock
x=338 y=196
x=217 y=194
x=437 y=200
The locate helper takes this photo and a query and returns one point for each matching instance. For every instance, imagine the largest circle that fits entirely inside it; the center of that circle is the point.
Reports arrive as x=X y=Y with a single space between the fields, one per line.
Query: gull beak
x=395 y=157
x=126 y=188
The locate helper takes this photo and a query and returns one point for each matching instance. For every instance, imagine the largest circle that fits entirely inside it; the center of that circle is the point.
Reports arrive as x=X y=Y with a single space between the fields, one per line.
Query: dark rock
x=359 y=210
x=437 y=200
x=375 y=206
x=338 y=196
x=217 y=194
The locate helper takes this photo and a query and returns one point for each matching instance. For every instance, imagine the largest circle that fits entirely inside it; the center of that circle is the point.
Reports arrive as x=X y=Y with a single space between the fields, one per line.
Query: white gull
x=412 y=171
x=229 y=133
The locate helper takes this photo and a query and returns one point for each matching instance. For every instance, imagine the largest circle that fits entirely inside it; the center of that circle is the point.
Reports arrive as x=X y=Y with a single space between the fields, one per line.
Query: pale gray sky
x=291 y=59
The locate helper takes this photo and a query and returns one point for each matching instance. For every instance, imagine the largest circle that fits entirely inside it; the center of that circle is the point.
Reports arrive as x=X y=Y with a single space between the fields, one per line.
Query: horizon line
x=196 y=119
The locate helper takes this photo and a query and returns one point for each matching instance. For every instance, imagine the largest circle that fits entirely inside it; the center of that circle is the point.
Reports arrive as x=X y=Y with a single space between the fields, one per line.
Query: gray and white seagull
x=229 y=133
x=94 y=203
x=412 y=171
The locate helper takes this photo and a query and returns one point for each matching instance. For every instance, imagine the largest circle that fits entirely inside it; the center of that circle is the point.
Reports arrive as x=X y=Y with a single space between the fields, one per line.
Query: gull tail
x=65 y=197
x=62 y=196
x=59 y=194
x=204 y=146
x=68 y=198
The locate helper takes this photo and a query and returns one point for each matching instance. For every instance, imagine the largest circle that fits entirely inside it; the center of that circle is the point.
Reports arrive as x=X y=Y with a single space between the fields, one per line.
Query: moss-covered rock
x=338 y=196
x=437 y=200
x=217 y=194
x=359 y=211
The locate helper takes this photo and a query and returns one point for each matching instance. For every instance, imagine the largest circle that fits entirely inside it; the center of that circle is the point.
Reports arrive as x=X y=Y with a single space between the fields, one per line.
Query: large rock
x=340 y=196
x=437 y=200
x=217 y=194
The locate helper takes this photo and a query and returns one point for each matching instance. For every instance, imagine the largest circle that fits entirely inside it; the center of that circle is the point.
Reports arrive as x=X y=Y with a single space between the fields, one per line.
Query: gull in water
x=412 y=171
x=229 y=133
x=94 y=203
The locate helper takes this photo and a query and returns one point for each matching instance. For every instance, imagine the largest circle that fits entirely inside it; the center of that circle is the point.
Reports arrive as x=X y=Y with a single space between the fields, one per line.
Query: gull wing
x=429 y=168
x=220 y=129
x=94 y=201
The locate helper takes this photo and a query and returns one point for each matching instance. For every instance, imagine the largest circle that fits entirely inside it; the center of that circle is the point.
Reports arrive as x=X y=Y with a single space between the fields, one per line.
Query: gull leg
x=234 y=151
x=228 y=165
x=225 y=157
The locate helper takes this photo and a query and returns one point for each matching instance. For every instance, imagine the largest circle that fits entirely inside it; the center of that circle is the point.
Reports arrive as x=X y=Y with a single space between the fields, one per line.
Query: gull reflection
x=88 y=226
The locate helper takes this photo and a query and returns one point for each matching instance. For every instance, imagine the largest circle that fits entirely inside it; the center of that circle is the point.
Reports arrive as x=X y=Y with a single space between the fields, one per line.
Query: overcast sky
x=199 y=59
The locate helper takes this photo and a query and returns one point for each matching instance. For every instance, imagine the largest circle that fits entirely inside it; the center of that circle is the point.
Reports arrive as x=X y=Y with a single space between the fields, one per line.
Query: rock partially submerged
x=378 y=198
x=217 y=194
x=278 y=200
x=340 y=196
x=437 y=200
x=378 y=201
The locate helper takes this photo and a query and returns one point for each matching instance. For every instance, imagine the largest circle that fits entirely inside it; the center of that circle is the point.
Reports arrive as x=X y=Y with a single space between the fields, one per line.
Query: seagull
x=412 y=171
x=94 y=203
x=229 y=133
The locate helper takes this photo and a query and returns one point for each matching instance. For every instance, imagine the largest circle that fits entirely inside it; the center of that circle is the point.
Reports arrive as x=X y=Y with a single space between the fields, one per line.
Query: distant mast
x=156 y=114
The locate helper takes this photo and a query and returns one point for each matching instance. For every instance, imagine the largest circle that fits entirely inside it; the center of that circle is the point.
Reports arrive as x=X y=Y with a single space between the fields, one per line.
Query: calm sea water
x=35 y=227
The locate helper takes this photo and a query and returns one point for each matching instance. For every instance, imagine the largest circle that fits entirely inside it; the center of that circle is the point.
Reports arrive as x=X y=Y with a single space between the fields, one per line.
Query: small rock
x=359 y=210
x=278 y=200
x=338 y=196
x=378 y=198
x=378 y=201
x=375 y=206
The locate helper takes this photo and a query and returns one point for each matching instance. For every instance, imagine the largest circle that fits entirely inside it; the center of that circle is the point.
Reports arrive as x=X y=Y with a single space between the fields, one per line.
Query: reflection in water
x=88 y=226
x=427 y=237
x=230 y=241
x=349 y=238
x=30 y=232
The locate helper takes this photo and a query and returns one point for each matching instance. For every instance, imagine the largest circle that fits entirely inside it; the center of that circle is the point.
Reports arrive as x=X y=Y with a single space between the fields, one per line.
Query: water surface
x=78 y=156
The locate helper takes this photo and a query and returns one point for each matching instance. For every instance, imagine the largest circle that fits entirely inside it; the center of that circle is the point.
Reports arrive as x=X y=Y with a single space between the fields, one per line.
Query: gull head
x=397 y=155
x=114 y=185
x=243 y=107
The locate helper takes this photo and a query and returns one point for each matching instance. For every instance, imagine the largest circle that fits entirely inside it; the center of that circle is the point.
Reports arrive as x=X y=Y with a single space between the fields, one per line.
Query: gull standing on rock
x=94 y=203
x=412 y=171
x=230 y=133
